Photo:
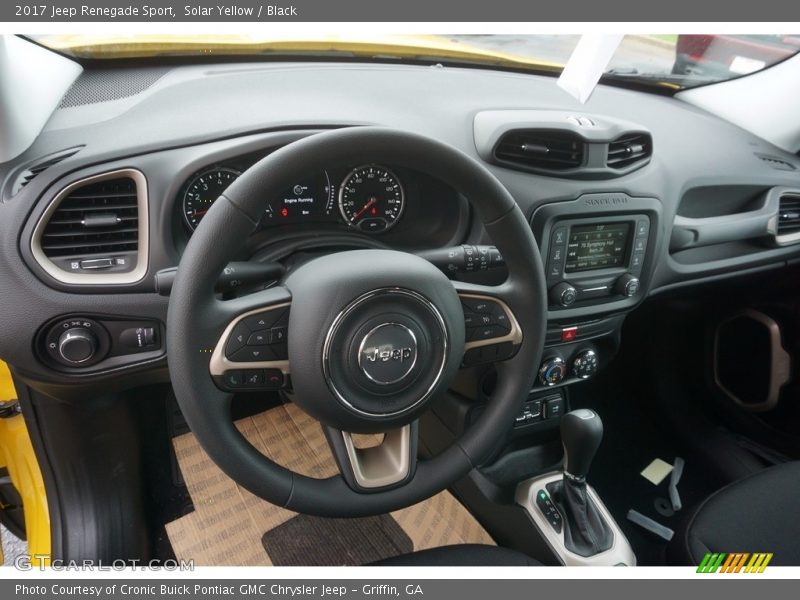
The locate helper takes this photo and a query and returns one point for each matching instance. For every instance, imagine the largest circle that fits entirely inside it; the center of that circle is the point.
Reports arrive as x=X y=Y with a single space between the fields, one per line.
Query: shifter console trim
x=620 y=552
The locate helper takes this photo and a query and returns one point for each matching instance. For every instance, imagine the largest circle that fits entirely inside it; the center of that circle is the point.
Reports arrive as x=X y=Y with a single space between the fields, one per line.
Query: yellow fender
x=17 y=455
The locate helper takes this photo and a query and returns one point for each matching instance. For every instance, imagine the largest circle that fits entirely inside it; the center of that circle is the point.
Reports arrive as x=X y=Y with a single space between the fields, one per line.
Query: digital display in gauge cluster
x=369 y=198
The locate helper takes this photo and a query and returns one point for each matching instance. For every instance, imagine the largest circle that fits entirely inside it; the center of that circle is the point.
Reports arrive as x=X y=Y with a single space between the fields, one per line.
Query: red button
x=569 y=333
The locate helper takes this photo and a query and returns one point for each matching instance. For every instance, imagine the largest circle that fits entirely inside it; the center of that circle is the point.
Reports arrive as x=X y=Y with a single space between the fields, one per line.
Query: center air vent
x=96 y=228
x=789 y=216
x=629 y=150
x=541 y=150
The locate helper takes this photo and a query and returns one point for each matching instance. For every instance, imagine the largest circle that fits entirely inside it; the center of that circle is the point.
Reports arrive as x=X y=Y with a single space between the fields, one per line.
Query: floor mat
x=228 y=523
x=347 y=541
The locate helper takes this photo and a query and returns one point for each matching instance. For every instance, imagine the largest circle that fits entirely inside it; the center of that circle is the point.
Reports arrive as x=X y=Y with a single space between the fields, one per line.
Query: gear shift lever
x=581 y=434
x=585 y=531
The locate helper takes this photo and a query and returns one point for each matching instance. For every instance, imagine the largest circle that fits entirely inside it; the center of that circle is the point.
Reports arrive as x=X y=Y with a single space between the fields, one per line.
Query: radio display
x=597 y=246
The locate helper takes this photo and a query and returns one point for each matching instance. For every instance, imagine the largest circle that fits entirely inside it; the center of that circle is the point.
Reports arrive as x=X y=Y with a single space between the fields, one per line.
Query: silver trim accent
x=402 y=197
x=620 y=552
x=514 y=336
x=780 y=362
x=364 y=341
x=326 y=348
x=219 y=363
x=786 y=239
x=142 y=254
x=382 y=465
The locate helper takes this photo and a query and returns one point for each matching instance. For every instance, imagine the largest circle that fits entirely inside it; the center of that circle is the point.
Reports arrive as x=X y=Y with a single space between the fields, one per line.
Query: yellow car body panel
x=17 y=455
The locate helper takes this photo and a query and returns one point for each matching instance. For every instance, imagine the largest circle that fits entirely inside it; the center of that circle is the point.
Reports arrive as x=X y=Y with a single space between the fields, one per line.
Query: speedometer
x=371 y=198
x=203 y=190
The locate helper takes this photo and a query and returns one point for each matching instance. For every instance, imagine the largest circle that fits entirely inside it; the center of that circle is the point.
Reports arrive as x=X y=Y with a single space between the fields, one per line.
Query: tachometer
x=202 y=190
x=371 y=198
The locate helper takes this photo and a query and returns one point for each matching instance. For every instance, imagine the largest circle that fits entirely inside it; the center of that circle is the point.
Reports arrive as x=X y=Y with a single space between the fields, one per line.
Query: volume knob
x=76 y=346
x=563 y=294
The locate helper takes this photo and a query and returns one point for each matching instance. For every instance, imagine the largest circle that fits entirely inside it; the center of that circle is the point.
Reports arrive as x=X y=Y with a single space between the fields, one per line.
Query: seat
x=461 y=555
x=755 y=514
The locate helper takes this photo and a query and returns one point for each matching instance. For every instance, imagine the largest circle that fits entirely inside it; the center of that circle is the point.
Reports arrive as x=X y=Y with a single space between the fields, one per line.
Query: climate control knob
x=77 y=345
x=563 y=294
x=627 y=285
x=552 y=371
x=584 y=365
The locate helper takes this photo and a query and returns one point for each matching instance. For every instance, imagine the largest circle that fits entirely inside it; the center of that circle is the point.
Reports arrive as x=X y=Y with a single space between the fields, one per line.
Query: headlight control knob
x=552 y=371
x=584 y=365
x=77 y=345
x=563 y=294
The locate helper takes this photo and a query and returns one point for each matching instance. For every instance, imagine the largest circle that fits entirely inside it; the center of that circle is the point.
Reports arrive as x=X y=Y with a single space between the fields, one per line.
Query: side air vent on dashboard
x=789 y=216
x=95 y=230
x=542 y=150
x=629 y=150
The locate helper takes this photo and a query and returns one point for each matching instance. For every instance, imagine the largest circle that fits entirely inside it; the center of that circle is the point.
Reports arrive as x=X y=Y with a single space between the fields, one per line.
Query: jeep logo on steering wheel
x=388 y=353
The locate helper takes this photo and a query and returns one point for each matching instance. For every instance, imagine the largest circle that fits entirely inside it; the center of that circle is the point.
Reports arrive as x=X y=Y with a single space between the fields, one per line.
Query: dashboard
x=626 y=204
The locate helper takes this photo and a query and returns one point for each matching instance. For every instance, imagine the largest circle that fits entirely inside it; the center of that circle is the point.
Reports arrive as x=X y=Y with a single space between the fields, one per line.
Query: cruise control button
x=477 y=305
x=485 y=333
x=259 y=338
x=471 y=320
x=237 y=339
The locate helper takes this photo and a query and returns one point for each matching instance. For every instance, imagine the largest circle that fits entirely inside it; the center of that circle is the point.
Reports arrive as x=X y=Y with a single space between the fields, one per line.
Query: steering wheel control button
x=253 y=354
x=563 y=294
x=253 y=377
x=273 y=379
x=388 y=353
x=258 y=338
x=552 y=371
x=238 y=339
x=277 y=335
x=585 y=364
x=233 y=379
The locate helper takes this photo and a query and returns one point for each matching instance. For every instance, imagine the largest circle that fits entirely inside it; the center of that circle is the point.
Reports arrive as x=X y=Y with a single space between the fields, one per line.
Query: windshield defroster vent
x=629 y=150
x=94 y=228
x=541 y=150
x=40 y=166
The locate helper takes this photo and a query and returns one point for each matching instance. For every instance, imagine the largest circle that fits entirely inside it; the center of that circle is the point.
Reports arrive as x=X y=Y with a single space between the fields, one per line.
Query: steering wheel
x=367 y=338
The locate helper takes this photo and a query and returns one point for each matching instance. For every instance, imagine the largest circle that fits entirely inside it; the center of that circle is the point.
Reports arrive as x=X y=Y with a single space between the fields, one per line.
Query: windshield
x=676 y=61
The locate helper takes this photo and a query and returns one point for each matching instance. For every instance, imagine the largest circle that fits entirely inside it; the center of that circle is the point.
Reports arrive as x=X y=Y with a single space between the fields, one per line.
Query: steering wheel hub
x=385 y=351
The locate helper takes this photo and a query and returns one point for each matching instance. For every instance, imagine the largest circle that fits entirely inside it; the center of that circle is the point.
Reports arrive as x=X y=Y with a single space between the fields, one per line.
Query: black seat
x=462 y=555
x=760 y=513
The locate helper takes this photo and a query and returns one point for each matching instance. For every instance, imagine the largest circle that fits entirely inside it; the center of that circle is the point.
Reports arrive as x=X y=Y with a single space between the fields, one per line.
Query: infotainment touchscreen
x=597 y=246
